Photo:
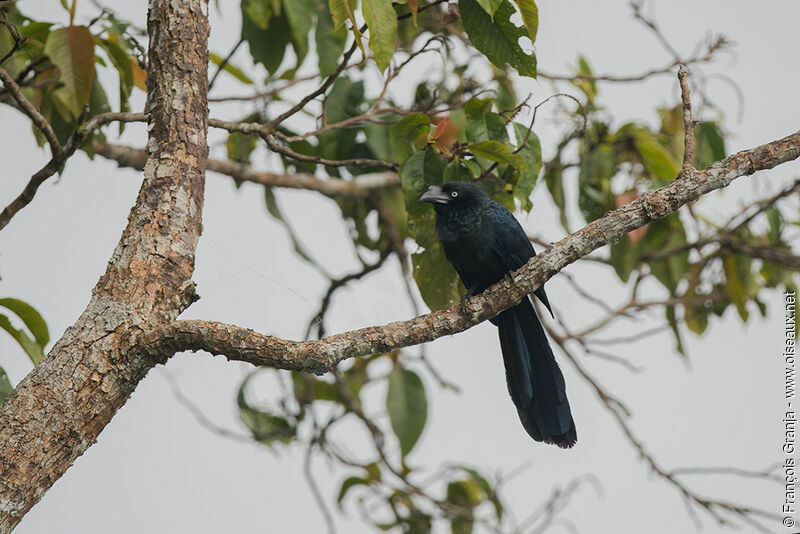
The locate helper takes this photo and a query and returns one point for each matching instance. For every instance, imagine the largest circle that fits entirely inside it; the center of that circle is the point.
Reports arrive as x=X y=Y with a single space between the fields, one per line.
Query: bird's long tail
x=534 y=379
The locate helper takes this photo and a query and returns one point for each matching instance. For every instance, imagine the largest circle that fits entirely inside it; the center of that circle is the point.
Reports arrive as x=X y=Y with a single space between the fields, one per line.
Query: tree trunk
x=59 y=409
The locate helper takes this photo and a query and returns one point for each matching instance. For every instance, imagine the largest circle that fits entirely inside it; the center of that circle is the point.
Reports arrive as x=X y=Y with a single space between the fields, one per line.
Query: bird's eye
x=454 y=194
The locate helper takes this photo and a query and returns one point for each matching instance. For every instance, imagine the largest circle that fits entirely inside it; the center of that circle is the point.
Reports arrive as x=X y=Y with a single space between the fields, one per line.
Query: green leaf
x=490 y=6
x=497 y=38
x=437 y=280
x=657 y=160
x=300 y=15
x=464 y=495
x=406 y=131
x=775 y=225
x=308 y=388
x=553 y=178
x=709 y=144
x=344 y=101
x=417 y=173
x=530 y=17
x=594 y=183
x=330 y=41
x=738 y=281
x=240 y=146
x=494 y=151
x=666 y=234
x=623 y=257
x=407 y=405
x=342 y=10
x=5 y=386
x=259 y=12
x=485 y=127
x=71 y=49
x=673 y=323
x=32 y=320
x=230 y=68
x=457 y=171
x=532 y=154
x=589 y=87
x=695 y=317
x=486 y=488
x=122 y=62
x=266 y=427
x=31 y=348
x=349 y=483
x=267 y=46
x=381 y=20
x=478 y=106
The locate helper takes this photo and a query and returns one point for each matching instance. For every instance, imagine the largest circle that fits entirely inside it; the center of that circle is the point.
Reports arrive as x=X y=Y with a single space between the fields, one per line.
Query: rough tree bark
x=59 y=409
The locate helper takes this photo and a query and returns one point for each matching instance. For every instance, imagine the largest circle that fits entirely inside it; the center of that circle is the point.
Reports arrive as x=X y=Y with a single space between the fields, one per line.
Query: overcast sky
x=154 y=468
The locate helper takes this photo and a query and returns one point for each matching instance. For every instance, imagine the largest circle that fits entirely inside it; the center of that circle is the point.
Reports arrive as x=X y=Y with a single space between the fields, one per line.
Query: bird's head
x=453 y=194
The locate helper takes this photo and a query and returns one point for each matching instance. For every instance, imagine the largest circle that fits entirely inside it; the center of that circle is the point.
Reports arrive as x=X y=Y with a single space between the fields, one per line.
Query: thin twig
x=56 y=150
x=224 y=63
x=57 y=162
x=688 y=122
x=319 y=317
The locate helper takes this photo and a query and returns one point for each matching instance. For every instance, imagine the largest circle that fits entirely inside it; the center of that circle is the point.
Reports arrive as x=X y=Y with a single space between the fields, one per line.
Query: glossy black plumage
x=484 y=242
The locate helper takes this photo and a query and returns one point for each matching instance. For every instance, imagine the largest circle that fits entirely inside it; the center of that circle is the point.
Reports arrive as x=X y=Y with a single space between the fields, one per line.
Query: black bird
x=484 y=242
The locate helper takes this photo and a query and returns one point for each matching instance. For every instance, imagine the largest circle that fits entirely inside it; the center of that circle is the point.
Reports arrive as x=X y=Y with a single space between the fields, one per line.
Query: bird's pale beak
x=434 y=195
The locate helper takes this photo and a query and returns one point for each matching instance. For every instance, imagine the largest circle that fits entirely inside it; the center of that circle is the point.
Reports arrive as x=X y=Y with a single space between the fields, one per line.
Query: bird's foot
x=510 y=279
x=465 y=305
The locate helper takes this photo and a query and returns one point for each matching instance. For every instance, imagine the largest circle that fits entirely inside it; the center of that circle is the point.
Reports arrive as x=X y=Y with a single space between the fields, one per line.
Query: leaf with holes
x=530 y=17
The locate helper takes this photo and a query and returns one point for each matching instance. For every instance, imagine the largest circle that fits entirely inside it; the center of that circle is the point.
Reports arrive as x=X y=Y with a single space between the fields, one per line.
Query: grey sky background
x=156 y=469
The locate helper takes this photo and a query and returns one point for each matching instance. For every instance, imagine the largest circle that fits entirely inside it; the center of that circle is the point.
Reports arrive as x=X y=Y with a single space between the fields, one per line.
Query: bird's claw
x=464 y=305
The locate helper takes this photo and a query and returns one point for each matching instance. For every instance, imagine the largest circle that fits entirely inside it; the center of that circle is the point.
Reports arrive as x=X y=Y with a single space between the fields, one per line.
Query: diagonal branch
x=30 y=110
x=58 y=159
x=322 y=355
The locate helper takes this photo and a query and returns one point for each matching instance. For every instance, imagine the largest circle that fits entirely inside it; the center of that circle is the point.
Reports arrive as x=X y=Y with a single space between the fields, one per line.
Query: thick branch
x=322 y=355
x=59 y=409
x=360 y=186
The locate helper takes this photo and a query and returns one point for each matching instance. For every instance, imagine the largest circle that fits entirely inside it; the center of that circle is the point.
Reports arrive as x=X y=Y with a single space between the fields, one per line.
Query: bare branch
x=360 y=186
x=56 y=162
x=688 y=122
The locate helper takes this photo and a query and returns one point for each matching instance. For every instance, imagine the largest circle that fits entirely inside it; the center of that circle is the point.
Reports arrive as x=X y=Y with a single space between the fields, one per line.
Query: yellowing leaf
x=413 y=5
x=71 y=49
x=139 y=75
x=530 y=17
x=382 y=23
